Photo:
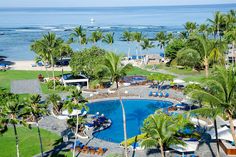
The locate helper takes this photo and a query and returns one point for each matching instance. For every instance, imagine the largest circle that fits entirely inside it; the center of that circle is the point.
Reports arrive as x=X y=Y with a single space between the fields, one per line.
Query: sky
x=105 y=3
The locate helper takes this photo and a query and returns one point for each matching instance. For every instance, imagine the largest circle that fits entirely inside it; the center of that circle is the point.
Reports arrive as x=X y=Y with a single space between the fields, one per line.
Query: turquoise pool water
x=136 y=112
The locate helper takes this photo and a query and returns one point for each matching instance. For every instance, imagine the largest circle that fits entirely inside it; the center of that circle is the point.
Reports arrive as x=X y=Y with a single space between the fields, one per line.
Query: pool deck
x=136 y=92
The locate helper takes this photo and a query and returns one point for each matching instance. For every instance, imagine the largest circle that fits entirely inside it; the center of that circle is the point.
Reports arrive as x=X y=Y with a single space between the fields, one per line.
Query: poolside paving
x=25 y=87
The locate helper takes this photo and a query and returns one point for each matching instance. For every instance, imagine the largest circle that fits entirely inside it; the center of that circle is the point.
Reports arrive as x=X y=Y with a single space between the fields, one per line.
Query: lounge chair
x=156 y=94
x=150 y=94
x=101 y=151
x=167 y=95
x=160 y=94
x=92 y=150
x=85 y=150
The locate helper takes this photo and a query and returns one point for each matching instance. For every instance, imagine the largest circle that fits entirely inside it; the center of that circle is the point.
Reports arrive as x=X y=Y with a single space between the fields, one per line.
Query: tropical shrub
x=188 y=58
x=87 y=61
x=173 y=47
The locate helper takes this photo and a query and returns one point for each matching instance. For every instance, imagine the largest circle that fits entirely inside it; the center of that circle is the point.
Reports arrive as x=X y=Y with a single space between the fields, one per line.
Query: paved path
x=25 y=87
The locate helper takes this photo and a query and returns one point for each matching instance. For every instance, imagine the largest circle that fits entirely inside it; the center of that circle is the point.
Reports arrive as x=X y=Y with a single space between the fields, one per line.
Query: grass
x=28 y=142
x=10 y=75
x=138 y=71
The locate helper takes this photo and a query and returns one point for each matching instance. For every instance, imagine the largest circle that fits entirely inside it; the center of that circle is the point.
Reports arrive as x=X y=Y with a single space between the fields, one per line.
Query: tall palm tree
x=47 y=47
x=77 y=35
x=11 y=113
x=137 y=36
x=161 y=129
x=108 y=38
x=78 y=102
x=216 y=23
x=162 y=39
x=230 y=37
x=115 y=68
x=220 y=90
x=36 y=110
x=230 y=20
x=127 y=36
x=116 y=72
x=206 y=49
x=64 y=50
x=147 y=44
x=203 y=29
x=96 y=36
x=190 y=27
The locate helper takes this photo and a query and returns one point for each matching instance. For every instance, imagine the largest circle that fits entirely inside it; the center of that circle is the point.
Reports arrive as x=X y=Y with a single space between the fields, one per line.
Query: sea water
x=19 y=27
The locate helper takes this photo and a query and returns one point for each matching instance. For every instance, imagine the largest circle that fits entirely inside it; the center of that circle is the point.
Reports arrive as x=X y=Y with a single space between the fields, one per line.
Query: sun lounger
x=167 y=95
x=160 y=94
x=156 y=94
x=150 y=94
x=101 y=151
x=85 y=150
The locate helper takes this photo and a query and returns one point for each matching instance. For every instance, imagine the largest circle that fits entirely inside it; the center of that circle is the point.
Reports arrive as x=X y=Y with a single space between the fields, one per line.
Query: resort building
x=231 y=55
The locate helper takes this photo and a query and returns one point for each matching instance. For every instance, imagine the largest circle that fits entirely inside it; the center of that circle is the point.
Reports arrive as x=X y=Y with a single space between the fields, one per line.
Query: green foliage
x=161 y=130
x=173 y=47
x=188 y=57
x=190 y=87
x=160 y=77
x=115 y=68
x=87 y=61
x=50 y=84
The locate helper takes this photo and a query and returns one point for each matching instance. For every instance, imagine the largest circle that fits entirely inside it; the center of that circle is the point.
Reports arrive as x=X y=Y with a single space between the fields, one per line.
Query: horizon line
x=176 y=5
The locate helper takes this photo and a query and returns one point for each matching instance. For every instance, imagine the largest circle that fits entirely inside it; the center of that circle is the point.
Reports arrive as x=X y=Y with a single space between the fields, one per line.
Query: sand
x=27 y=65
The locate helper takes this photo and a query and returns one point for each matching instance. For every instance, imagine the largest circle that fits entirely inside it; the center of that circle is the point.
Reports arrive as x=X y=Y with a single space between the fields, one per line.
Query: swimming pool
x=136 y=111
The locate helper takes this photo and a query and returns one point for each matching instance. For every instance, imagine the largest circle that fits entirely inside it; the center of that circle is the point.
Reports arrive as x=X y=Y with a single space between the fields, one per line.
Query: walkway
x=25 y=87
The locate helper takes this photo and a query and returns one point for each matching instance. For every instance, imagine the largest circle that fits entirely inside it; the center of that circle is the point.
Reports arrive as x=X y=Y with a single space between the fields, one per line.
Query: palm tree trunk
x=217 y=140
x=124 y=124
x=232 y=127
x=117 y=84
x=53 y=74
x=62 y=71
x=76 y=131
x=17 y=141
x=162 y=149
x=206 y=66
x=40 y=139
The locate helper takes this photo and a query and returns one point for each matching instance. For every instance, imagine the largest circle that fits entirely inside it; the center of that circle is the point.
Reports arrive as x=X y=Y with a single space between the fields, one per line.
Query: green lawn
x=10 y=75
x=138 y=71
x=29 y=142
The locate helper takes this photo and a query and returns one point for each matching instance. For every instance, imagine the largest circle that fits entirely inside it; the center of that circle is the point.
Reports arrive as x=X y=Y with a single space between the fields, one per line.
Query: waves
x=118 y=28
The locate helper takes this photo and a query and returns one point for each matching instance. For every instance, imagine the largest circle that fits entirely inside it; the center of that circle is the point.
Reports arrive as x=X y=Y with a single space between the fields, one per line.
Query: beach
x=27 y=65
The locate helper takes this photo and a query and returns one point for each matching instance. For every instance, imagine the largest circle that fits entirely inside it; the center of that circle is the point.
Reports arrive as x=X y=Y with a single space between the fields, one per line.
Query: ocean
x=19 y=27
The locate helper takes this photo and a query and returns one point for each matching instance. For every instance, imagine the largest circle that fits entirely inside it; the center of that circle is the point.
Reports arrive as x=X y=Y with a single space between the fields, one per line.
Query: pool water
x=136 y=112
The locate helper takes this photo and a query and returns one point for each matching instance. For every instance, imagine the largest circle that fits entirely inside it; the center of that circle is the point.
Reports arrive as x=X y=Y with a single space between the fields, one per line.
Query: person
x=40 y=77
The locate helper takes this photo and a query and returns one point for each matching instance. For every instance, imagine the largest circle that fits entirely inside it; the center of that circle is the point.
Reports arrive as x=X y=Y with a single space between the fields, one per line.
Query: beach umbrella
x=73 y=113
x=189 y=147
x=224 y=133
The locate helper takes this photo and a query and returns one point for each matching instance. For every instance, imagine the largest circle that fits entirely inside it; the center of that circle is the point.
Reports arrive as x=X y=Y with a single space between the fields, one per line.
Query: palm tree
x=115 y=68
x=231 y=37
x=203 y=29
x=78 y=104
x=230 y=20
x=96 y=36
x=206 y=48
x=220 y=91
x=190 y=27
x=108 y=38
x=64 y=50
x=146 y=44
x=36 y=110
x=127 y=36
x=54 y=99
x=162 y=40
x=160 y=130
x=11 y=113
x=216 y=23
x=137 y=36
x=47 y=48
x=77 y=35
